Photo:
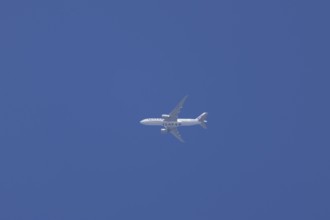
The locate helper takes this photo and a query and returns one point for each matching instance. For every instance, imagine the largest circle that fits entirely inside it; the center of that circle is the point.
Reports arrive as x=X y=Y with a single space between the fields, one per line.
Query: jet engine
x=164 y=116
x=163 y=130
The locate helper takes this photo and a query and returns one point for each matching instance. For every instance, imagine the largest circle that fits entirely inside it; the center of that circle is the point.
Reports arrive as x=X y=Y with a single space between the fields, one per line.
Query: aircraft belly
x=188 y=122
x=155 y=123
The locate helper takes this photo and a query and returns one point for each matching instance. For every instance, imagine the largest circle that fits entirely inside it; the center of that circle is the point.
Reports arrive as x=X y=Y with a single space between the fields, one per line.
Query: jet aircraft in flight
x=171 y=121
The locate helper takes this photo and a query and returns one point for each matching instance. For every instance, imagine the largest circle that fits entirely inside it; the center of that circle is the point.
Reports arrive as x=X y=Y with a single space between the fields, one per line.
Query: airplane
x=171 y=121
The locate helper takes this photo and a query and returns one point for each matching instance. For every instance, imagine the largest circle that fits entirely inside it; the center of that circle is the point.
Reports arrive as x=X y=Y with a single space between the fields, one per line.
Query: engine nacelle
x=164 y=116
x=163 y=131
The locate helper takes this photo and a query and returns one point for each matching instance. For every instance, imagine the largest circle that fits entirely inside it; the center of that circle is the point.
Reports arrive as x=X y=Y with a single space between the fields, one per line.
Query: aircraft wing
x=175 y=112
x=174 y=131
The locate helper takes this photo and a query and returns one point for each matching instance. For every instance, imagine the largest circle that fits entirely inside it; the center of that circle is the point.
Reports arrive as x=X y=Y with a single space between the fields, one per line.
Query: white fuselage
x=162 y=122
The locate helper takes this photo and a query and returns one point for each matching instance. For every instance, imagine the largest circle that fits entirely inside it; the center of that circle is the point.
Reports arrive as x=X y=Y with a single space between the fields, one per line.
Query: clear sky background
x=76 y=77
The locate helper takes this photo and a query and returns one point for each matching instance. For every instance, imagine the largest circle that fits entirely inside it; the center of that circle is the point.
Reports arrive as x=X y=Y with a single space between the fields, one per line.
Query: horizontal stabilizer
x=202 y=119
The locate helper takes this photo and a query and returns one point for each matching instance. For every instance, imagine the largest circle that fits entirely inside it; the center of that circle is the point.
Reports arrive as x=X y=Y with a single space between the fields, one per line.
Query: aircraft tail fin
x=202 y=119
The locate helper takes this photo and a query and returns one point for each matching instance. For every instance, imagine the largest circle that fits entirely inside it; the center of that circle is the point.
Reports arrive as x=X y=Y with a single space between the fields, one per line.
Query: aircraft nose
x=142 y=121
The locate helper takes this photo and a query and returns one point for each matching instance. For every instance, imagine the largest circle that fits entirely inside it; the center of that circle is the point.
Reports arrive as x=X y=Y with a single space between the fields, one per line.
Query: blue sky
x=76 y=77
